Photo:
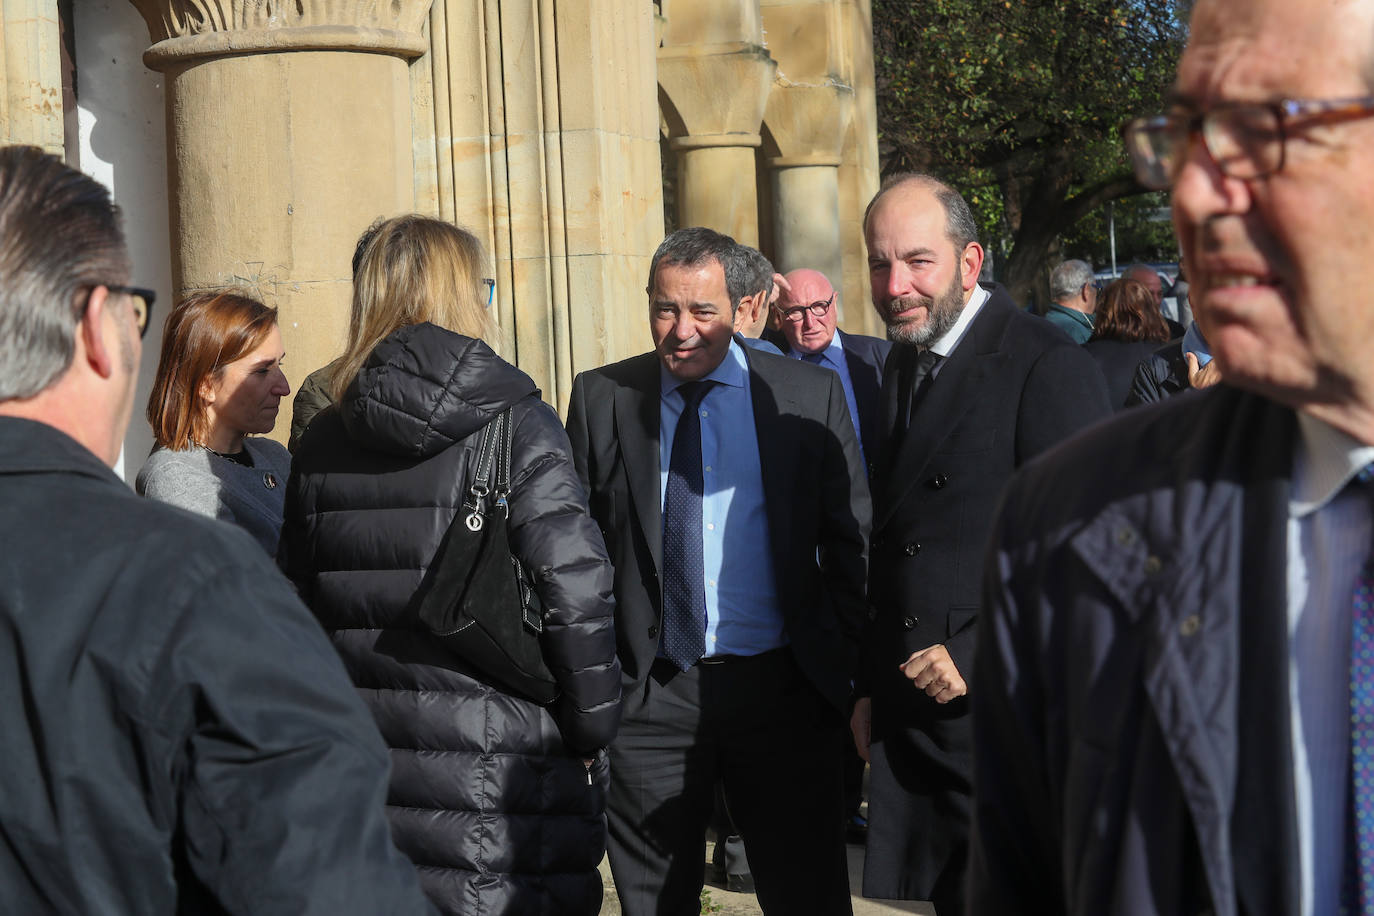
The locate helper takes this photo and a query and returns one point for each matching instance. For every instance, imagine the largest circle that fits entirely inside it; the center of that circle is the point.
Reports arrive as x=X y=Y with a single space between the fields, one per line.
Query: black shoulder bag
x=481 y=603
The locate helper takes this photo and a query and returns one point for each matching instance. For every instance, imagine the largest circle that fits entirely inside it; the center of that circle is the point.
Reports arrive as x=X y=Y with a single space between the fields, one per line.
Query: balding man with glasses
x=1174 y=696
x=808 y=313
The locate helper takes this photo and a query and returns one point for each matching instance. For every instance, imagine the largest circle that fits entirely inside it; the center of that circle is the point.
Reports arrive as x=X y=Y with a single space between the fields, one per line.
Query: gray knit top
x=207 y=484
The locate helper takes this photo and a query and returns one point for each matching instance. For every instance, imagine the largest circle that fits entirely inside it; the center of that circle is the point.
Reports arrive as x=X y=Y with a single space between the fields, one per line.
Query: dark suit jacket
x=1132 y=718
x=1119 y=360
x=1162 y=374
x=1014 y=386
x=814 y=490
x=865 y=358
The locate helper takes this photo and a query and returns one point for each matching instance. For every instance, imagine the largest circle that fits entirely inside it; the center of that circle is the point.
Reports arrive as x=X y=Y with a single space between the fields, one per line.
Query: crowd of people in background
x=1088 y=595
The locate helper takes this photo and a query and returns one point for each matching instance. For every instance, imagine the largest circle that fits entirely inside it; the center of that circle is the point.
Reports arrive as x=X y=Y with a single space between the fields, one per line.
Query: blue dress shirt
x=832 y=357
x=742 y=612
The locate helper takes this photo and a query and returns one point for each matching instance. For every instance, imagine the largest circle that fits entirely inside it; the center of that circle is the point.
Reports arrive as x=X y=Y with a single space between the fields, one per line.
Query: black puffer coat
x=489 y=795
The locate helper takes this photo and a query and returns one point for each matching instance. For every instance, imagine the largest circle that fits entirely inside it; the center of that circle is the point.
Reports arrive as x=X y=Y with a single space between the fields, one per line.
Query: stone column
x=717 y=95
x=31 y=75
x=289 y=131
x=821 y=119
x=808 y=124
x=859 y=175
x=536 y=127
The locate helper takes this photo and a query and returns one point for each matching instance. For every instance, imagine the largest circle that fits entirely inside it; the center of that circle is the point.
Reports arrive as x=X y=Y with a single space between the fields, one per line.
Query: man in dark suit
x=728 y=485
x=1177 y=654
x=974 y=388
x=808 y=313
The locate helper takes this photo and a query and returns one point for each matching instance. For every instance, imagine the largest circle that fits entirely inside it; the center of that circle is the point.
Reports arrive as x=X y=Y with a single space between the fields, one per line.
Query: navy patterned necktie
x=684 y=575
x=1358 y=892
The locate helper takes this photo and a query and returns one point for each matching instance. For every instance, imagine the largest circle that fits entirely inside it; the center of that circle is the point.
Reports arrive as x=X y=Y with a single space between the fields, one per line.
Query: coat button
x=1190 y=625
x=939 y=481
x=909 y=623
x=875 y=543
x=1153 y=565
x=653 y=631
x=911 y=549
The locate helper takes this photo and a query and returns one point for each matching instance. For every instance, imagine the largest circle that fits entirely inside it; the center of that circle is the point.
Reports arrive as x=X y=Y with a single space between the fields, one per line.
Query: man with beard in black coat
x=973 y=388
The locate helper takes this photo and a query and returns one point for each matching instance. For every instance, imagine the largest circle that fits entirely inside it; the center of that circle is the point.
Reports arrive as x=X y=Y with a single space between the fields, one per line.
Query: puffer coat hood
x=425 y=389
x=489 y=795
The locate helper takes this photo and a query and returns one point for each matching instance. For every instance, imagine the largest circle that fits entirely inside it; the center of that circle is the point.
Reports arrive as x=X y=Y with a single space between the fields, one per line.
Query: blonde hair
x=414 y=269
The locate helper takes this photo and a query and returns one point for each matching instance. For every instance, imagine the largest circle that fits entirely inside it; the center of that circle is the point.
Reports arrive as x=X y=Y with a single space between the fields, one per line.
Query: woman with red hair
x=218 y=387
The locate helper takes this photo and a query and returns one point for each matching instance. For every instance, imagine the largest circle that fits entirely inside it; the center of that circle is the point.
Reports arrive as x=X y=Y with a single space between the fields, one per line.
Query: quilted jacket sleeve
x=553 y=534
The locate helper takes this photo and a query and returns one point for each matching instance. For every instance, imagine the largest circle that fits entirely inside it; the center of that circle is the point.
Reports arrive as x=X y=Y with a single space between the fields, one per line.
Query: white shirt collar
x=1324 y=461
x=945 y=345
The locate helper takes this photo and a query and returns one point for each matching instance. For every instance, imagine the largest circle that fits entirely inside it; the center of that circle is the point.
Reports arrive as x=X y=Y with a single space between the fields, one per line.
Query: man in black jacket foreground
x=179 y=737
x=1173 y=697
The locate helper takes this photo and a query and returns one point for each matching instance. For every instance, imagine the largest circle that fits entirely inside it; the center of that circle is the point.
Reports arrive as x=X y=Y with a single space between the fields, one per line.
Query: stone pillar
x=716 y=94
x=823 y=134
x=808 y=125
x=536 y=127
x=859 y=175
x=289 y=132
x=31 y=75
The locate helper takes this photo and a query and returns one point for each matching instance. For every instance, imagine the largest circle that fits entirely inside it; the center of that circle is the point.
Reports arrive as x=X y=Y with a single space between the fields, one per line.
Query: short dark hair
x=59 y=238
x=697 y=245
x=960 y=226
x=758 y=270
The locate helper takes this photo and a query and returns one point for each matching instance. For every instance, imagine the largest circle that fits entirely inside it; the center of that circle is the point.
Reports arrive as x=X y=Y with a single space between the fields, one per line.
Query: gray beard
x=943 y=314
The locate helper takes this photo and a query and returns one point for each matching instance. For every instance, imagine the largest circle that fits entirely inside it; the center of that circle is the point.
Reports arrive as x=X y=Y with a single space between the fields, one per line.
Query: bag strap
x=493 y=452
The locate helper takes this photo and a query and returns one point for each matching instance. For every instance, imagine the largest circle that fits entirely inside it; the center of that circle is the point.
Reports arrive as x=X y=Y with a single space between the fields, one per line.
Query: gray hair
x=59 y=238
x=698 y=245
x=759 y=270
x=1068 y=278
x=960 y=227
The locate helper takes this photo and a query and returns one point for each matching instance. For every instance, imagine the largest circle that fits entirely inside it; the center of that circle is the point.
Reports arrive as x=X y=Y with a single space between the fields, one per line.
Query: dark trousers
x=758 y=725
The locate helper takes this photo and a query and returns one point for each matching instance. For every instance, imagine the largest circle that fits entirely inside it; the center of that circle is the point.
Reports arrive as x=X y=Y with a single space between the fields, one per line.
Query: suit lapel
x=636 y=424
x=778 y=448
x=864 y=380
x=951 y=394
x=1264 y=824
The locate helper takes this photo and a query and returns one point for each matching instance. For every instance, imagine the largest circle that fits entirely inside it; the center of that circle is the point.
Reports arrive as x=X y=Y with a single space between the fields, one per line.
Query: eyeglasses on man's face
x=142 y=301
x=1245 y=139
x=817 y=310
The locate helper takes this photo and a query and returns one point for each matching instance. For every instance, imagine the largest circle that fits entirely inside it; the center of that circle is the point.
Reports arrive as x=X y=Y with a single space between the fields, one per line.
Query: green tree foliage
x=1018 y=103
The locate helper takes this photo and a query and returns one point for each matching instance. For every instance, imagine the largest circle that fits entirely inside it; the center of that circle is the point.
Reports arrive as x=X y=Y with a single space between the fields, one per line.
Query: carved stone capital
x=716 y=90
x=808 y=123
x=183 y=30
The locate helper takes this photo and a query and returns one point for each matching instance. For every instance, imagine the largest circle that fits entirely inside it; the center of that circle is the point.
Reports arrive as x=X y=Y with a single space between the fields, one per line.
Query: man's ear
x=744 y=313
x=972 y=264
x=96 y=343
